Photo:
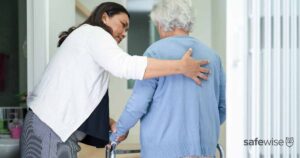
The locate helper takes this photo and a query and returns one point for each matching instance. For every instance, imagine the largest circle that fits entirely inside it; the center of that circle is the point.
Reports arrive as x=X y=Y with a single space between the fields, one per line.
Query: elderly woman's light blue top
x=178 y=118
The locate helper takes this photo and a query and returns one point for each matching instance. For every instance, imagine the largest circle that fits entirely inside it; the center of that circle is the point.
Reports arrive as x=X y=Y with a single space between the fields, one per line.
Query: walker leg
x=221 y=151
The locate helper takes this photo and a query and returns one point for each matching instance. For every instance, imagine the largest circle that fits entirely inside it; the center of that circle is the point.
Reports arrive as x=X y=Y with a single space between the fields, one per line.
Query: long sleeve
x=222 y=97
x=137 y=105
x=105 y=51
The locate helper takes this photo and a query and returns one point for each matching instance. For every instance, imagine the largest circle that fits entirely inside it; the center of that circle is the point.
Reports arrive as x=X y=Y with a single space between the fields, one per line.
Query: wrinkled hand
x=192 y=68
x=113 y=128
x=123 y=137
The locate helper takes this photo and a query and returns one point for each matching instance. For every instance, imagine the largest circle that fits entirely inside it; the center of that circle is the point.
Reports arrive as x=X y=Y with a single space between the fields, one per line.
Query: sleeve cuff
x=141 y=67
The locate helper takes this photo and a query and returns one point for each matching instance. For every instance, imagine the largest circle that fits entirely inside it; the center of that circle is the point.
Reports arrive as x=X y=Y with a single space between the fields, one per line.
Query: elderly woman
x=178 y=118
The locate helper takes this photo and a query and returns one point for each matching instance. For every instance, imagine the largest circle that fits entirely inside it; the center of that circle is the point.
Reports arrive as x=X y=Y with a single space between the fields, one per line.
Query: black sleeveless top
x=96 y=127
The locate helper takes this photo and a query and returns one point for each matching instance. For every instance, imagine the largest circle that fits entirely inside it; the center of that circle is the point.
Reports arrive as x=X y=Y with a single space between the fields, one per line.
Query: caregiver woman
x=65 y=105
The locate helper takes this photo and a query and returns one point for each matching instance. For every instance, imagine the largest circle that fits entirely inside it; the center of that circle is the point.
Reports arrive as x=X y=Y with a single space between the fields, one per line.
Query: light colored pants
x=39 y=141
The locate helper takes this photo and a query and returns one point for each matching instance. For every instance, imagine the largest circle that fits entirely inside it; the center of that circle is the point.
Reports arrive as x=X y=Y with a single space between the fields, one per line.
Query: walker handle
x=110 y=150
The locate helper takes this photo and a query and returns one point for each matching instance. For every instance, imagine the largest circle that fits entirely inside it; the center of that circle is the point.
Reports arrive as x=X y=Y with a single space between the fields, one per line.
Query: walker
x=111 y=152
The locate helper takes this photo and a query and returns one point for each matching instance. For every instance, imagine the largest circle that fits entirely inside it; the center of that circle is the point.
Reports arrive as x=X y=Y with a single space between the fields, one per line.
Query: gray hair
x=170 y=14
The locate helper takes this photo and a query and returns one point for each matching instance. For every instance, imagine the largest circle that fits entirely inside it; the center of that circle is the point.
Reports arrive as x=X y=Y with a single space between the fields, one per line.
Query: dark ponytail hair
x=95 y=19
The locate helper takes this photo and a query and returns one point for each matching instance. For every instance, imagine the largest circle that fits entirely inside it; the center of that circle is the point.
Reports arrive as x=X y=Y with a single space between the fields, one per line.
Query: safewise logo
x=289 y=142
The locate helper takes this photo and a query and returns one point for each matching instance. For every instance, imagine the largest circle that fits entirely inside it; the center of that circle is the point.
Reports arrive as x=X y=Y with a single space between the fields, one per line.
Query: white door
x=263 y=74
x=45 y=20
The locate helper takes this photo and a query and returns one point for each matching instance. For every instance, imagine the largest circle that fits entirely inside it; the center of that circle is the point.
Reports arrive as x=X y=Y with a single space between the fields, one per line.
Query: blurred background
x=258 y=41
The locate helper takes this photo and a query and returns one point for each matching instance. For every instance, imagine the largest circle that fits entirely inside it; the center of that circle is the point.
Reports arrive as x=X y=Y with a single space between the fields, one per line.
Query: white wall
x=219 y=28
x=91 y=5
x=210 y=24
x=45 y=20
x=61 y=18
x=202 y=29
x=219 y=44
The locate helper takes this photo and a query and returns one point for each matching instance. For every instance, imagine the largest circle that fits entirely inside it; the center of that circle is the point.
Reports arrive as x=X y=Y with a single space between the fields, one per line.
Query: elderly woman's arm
x=136 y=107
x=222 y=97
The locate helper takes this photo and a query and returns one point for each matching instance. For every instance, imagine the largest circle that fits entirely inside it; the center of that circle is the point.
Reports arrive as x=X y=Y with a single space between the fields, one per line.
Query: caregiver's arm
x=186 y=66
x=105 y=51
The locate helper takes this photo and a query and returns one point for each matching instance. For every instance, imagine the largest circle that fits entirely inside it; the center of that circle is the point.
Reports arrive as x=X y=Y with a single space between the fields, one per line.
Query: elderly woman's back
x=178 y=117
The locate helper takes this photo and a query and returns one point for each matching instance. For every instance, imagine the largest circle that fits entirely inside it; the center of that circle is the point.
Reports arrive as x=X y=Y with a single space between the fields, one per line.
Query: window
x=13 y=62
